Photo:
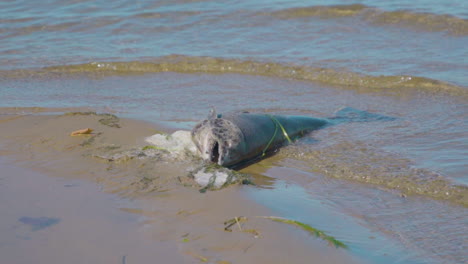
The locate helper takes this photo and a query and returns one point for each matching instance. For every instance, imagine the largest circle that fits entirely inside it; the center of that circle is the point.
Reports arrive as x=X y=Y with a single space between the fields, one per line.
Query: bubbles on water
x=107 y=66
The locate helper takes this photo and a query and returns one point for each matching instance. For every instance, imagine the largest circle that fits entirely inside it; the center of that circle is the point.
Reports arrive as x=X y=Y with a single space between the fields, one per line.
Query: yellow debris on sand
x=81 y=132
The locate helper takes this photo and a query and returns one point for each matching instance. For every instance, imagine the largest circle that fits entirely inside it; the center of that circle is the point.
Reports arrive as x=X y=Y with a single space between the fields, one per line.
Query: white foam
x=179 y=143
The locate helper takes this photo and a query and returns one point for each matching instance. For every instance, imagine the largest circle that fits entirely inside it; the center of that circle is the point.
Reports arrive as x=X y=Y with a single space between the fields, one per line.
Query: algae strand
x=314 y=231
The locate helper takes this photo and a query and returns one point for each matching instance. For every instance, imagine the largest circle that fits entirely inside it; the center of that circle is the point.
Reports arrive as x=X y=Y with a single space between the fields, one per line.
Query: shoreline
x=170 y=215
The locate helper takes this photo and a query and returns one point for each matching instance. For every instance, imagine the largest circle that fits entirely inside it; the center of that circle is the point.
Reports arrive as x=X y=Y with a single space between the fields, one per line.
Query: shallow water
x=427 y=39
x=379 y=226
x=169 y=62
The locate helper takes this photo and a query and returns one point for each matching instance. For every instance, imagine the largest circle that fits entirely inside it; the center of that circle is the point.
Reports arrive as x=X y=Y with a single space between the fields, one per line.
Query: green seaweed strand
x=311 y=230
x=152 y=147
x=277 y=124
x=210 y=184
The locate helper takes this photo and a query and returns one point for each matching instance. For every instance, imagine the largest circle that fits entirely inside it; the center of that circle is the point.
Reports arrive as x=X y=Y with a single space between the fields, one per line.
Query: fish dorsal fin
x=213 y=115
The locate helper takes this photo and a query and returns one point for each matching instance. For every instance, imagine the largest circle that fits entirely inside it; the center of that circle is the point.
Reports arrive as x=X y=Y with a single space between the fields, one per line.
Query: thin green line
x=282 y=128
x=277 y=124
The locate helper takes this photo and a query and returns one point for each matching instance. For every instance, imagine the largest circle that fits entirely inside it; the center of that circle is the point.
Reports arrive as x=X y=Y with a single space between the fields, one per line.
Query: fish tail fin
x=349 y=114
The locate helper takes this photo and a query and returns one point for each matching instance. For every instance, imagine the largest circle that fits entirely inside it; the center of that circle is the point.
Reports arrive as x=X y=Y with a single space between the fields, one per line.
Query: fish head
x=219 y=141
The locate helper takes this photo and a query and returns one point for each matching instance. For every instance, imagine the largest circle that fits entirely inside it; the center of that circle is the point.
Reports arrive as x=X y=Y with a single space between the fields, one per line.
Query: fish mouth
x=215 y=153
x=215 y=139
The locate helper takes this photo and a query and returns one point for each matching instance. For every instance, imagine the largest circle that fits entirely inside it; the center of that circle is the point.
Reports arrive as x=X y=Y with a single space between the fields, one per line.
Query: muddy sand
x=81 y=199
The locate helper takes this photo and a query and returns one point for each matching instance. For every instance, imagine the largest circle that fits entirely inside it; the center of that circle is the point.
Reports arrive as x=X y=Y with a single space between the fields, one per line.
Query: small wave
x=361 y=163
x=16 y=20
x=174 y=14
x=402 y=18
x=25 y=30
x=34 y=26
x=332 y=11
x=393 y=85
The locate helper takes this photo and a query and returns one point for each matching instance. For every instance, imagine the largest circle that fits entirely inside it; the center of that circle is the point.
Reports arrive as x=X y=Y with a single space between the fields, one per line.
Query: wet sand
x=128 y=210
x=89 y=226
